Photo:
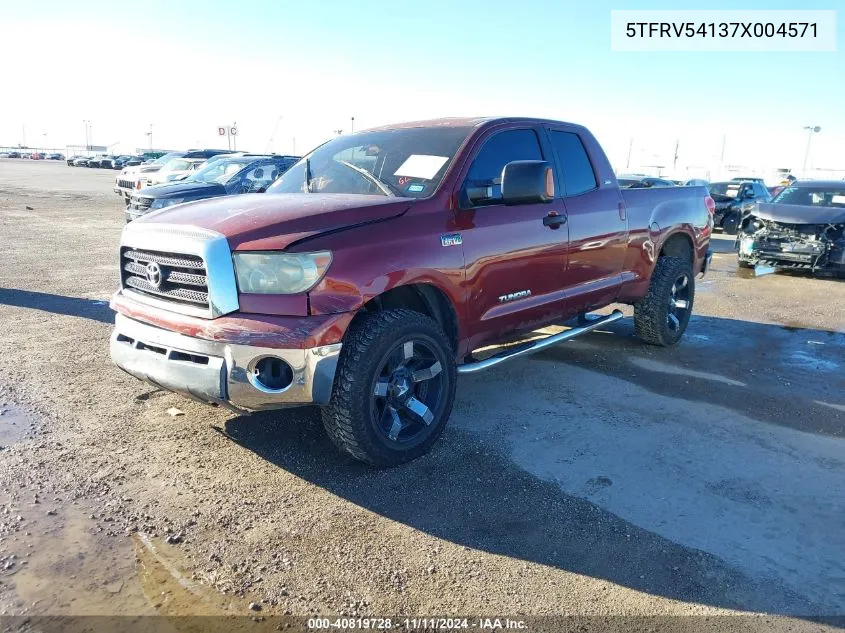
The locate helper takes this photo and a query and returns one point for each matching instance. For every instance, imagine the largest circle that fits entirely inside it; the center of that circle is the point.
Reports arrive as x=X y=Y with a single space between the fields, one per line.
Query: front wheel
x=394 y=388
x=730 y=224
x=661 y=317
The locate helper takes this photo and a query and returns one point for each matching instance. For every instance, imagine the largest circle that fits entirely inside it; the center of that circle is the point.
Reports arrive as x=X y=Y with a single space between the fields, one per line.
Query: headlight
x=280 y=273
x=160 y=203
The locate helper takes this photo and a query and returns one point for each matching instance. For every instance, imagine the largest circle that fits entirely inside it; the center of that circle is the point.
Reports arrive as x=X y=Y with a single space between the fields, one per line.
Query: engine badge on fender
x=451 y=239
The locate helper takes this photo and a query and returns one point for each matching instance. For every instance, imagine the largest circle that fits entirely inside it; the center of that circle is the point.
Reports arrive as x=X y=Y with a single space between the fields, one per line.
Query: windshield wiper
x=308 y=175
x=383 y=186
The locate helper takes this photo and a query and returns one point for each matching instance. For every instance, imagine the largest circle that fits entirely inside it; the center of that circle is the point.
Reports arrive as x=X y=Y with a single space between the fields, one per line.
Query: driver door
x=514 y=261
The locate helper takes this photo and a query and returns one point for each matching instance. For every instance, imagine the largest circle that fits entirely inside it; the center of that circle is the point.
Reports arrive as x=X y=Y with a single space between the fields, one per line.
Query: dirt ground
x=602 y=477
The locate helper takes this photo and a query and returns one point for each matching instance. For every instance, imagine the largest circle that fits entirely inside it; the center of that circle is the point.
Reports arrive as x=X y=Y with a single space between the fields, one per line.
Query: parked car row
x=228 y=175
x=32 y=155
x=134 y=177
x=105 y=161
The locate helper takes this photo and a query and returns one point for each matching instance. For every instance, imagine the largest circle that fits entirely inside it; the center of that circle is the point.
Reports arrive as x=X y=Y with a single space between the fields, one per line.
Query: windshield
x=725 y=189
x=162 y=160
x=407 y=162
x=176 y=164
x=220 y=171
x=813 y=196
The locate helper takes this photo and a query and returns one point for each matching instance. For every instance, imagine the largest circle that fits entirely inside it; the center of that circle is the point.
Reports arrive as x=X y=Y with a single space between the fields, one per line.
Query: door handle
x=554 y=220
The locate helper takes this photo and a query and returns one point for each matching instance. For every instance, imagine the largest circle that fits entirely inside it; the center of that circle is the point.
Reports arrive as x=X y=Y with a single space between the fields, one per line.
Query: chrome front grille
x=125 y=184
x=179 y=268
x=140 y=203
x=173 y=277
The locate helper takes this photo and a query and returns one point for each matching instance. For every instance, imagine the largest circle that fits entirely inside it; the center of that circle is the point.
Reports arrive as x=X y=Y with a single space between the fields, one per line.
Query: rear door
x=514 y=262
x=597 y=221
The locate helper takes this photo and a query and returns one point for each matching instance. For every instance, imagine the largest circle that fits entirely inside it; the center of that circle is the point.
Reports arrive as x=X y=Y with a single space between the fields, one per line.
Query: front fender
x=370 y=260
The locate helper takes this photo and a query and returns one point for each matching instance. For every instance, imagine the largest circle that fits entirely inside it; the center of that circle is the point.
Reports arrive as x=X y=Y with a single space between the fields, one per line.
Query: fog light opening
x=272 y=374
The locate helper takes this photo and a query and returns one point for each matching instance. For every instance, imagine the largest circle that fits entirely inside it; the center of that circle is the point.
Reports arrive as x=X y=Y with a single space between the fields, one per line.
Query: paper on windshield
x=837 y=199
x=422 y=166
x=732 y=192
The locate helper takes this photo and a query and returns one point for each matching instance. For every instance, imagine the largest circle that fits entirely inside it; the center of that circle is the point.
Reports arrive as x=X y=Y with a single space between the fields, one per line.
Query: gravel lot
x=601 y=477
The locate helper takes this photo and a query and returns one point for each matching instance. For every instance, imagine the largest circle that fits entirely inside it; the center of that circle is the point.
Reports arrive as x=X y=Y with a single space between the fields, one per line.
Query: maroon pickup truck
x=365 y=277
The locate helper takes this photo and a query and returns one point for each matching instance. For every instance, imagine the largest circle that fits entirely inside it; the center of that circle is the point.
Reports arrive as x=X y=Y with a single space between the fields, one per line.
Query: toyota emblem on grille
x=154 y=275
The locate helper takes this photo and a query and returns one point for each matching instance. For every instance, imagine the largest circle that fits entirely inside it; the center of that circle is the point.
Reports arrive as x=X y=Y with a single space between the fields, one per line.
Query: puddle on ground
x=14 y=425
x=56 y=563
x=66 y=568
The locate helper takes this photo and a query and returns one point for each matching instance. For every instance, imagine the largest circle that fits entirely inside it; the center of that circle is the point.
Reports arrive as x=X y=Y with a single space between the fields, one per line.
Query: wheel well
x=678 y=245
x=424 y=298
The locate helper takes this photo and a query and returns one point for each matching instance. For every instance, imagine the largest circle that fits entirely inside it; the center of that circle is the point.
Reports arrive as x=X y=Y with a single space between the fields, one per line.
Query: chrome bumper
x=220 y=373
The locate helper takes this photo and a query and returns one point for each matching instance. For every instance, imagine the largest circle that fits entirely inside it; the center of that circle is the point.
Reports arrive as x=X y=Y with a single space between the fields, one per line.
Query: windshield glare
x=220 y=172
x=177 y=164
x=813 y=196
x=162 y=160
x=408 y=162
x=727 y=189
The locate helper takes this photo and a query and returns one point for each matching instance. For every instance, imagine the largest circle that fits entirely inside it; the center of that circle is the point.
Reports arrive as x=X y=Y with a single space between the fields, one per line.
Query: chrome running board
x=535 y=346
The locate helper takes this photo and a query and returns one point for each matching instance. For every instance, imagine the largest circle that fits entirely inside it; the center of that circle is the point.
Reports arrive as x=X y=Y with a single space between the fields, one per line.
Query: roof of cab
x=473 y=122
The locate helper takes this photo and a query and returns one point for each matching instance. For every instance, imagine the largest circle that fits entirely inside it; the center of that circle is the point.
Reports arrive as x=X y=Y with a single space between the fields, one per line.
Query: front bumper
x=220 y=373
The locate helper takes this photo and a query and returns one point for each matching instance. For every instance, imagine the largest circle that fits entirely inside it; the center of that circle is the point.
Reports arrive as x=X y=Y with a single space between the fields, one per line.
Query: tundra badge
x=513 y=296
x=451 y=239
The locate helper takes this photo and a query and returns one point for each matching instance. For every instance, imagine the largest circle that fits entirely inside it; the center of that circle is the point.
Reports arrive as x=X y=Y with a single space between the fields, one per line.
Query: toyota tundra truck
x=370 y=274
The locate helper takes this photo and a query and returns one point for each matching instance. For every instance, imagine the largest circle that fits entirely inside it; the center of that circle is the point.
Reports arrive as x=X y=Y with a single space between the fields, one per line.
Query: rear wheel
x=394 y=388
x=661 y=317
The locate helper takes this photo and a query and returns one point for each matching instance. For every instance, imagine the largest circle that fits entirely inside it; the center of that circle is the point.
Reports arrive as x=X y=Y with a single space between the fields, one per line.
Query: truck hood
x=134 y=170
x=274 y=221
x=184 y=189
x=799 y=214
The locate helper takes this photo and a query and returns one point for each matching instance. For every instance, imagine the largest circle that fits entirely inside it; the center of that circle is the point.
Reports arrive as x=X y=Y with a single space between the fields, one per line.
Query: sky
x=290 y=73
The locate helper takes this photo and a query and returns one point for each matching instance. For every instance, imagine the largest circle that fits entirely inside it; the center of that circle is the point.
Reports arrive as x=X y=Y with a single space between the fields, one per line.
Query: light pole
x=352 y=129
x=85 y=123
x=338 y=132
x=811 y=129
x=150 y=134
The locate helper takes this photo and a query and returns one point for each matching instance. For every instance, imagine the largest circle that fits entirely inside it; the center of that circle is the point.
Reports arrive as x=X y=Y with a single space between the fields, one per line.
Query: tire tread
x=649 y=319
x=345 y=417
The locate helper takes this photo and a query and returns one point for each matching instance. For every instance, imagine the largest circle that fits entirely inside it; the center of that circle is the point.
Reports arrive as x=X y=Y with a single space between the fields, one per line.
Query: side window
x=258 y=177
x=578 y=175
x=498 y=151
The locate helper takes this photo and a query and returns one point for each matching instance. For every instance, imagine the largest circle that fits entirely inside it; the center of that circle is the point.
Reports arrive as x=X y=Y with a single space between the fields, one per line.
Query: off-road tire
x=651 y=314
x=348 y=416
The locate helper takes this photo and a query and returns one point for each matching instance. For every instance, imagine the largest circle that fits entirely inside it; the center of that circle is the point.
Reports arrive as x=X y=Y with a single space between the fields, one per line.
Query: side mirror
x=527 y=182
